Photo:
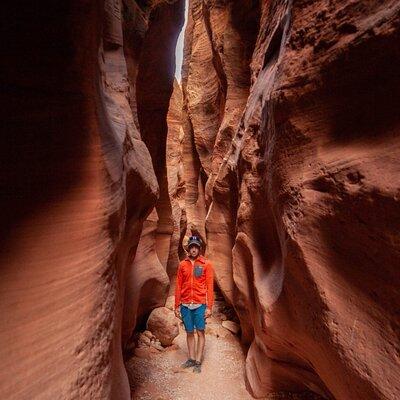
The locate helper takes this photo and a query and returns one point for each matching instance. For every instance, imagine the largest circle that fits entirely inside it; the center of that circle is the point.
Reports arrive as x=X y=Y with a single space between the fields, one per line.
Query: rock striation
x=292 y=177
x=78 y=182
x=175 y=178
x=280 y=150
x=153 y=83
x=219 y=41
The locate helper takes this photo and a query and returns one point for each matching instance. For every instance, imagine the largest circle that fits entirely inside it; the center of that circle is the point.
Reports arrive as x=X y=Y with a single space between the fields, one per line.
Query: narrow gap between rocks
x=275 y=139
x=154 y=353
x=153 y=365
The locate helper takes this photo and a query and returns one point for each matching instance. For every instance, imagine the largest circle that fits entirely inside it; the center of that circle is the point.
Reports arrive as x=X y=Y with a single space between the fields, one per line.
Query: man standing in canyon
x=194 y=298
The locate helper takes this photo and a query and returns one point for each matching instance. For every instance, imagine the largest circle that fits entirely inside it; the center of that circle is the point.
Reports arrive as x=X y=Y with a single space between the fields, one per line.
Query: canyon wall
x=77 y=184
x=148 y=285
x=176 y=182
x=291 y=157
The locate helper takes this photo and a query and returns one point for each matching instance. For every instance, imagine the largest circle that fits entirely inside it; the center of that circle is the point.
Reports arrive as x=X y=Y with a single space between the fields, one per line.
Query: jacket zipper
x=191 y=282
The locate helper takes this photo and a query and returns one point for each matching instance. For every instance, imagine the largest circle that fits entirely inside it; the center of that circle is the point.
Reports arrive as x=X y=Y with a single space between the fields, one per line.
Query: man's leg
x=191 y=344
x=187 y=319
x=200 y=325
x=201 y=340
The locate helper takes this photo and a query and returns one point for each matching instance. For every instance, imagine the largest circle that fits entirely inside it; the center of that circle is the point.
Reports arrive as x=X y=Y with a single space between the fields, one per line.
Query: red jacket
x=195 y=282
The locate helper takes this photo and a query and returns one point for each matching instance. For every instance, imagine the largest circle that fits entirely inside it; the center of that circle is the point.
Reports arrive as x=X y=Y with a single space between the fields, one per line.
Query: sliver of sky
x=179 y=46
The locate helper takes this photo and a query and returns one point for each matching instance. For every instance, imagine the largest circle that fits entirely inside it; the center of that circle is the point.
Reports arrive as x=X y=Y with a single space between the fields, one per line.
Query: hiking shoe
x=188 y=363
x=197 y=367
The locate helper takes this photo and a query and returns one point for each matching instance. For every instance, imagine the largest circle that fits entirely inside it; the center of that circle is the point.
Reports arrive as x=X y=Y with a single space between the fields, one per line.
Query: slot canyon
x=279 y=147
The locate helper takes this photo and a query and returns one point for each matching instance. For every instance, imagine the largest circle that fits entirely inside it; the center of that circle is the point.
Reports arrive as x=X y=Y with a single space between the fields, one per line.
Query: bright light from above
x=179 y=46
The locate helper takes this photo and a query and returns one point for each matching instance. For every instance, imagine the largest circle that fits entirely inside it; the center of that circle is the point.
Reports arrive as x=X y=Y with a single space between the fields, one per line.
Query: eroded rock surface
x=215 y=78
x=153 y=83
x=175 y=178
x=286 y=165
x=77 y=182
x=292 y=177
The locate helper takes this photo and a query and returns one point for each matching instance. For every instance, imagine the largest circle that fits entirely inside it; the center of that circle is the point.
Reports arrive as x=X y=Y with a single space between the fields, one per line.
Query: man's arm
x=210 y=289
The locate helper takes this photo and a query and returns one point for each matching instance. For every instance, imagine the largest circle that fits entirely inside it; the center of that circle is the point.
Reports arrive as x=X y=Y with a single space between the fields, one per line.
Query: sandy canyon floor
x=155 y=375
x=158 y=376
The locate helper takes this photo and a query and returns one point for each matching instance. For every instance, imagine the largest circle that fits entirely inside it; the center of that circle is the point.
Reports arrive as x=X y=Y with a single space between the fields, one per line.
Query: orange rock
x=163 y=324
x=77 y=182
x=292 y=175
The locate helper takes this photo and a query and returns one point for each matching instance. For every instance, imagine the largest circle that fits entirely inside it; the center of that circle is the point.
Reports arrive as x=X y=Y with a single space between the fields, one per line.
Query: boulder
x=148 y=334
x=144 y=340
x=163 y=324
x=157 y=345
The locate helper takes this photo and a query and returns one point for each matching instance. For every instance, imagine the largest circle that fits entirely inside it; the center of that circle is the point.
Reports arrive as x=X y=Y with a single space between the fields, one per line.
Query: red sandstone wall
x=77 y=182
x=219 y=42
x=152 y=81
x=175 y=175
x=293 y=178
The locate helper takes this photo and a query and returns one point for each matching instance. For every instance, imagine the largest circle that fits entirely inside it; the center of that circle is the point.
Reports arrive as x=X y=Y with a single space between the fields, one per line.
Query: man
x=194 y=298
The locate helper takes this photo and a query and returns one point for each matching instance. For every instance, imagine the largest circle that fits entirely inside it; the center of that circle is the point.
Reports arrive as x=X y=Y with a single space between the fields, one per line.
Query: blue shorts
x=194 y=319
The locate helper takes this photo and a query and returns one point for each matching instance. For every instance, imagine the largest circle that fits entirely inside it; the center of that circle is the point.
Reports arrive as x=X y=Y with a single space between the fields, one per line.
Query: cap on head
x=194 y=240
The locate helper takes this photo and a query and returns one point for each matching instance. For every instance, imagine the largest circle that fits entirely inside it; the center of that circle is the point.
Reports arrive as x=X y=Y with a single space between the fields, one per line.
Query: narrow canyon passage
x=277 y=143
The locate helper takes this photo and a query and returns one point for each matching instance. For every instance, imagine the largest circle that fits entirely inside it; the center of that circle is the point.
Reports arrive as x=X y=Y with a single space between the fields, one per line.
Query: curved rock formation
x=152 y=80
x=287 y=165
x=301 y=214
x=175 y=176
x=77 y=183
x=216 y=78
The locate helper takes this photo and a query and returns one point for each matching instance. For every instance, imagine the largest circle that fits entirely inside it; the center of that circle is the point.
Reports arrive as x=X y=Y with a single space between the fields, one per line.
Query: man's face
x=194 y=251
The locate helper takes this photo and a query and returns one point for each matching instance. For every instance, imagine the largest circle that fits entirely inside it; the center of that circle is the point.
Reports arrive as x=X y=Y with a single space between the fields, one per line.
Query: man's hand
x=178 y=313
x=208 y=313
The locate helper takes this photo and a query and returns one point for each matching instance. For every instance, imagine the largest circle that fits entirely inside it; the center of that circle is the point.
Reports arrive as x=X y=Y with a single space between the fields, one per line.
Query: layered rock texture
x=149 y=283
x=77 y=183
x=281 y=149
x=175 y=178
x=291 y=162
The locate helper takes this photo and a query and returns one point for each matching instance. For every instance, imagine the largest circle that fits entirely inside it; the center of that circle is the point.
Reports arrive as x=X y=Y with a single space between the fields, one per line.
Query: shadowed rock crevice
x=152 y=80
x=77 y=184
